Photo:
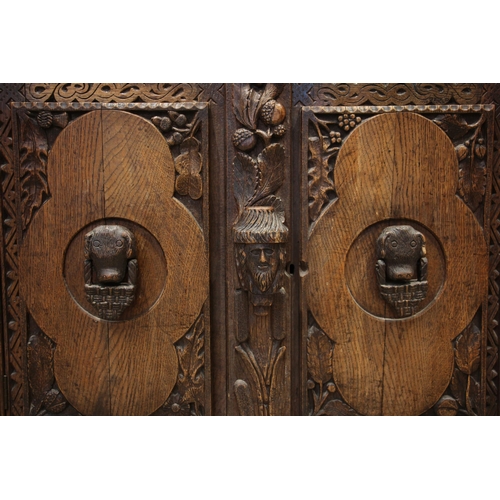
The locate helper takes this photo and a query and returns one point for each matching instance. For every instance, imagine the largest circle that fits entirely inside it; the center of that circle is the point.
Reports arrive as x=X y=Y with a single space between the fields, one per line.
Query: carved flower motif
x=348 y=121
x=174 y=406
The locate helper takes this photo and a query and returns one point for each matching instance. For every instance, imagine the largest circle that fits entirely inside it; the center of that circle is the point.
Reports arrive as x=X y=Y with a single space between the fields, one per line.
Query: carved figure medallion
x=110 y=253
x=402 y=268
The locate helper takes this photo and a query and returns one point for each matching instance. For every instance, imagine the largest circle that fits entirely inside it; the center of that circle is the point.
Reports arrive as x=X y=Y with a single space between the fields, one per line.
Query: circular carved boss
x=106 y=165
x=395 y=166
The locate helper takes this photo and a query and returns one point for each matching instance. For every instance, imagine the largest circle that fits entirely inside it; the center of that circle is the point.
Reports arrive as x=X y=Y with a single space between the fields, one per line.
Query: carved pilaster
x=260 y=237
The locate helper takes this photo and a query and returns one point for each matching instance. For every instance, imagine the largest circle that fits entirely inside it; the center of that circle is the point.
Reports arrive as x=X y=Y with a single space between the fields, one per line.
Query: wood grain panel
x=395 y=166
x=76 y=184
x=139 y=186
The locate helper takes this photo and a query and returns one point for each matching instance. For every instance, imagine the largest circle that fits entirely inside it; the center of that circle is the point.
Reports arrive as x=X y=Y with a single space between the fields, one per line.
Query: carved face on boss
x=262 y=263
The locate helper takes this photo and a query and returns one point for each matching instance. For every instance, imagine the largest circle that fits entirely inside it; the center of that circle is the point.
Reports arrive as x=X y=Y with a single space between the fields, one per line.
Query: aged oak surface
x=395 y=166
x=126 y=367
x=286 y=195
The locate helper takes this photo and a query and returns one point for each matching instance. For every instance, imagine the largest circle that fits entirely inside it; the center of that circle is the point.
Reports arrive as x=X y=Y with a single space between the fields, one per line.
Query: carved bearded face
x=262 y=262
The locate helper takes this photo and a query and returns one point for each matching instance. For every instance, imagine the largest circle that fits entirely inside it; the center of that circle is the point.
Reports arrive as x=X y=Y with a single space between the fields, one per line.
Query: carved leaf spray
x=110 y=259
x=260 y=236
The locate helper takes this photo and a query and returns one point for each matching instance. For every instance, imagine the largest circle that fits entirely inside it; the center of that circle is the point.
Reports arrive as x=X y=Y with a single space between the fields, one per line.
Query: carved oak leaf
x=246 y=178
x=319 y=181
x=319 y=356
x=191 y=355
x=472 y=183
x=468 y=349
x=337 y=408
x=454 y=125
x=40 y=371
x=33 y=163
x=188 y=164
x=270 y=163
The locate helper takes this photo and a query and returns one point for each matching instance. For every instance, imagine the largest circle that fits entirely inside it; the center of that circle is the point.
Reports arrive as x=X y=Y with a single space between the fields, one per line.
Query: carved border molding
x=355 y=94
x=112 y=92
x=14 y=340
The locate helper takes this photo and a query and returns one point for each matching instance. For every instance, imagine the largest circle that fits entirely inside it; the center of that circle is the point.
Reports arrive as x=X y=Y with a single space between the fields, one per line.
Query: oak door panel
x=113 y=169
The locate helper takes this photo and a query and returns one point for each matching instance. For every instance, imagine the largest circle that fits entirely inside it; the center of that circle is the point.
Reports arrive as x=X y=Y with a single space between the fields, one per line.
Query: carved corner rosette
x=402 y=268
x=110 y=270
x=324 y=397
x=463 y=396
x=260 y=236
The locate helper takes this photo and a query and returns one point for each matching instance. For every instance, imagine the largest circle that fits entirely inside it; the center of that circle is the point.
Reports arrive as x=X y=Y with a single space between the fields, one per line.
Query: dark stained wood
x=259 y=326
x=334 y=162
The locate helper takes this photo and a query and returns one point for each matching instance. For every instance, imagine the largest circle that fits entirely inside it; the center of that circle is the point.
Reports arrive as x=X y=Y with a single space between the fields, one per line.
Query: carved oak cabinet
x=250 y=249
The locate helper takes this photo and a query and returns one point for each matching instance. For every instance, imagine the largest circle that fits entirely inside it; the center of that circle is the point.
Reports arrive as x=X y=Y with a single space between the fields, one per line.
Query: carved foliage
x=323 y=392
x=464 y=387
x=188 y=395
x=33 y=156
x=45 y=396
x=469 y=138
x=326 y=135
x=179 y=130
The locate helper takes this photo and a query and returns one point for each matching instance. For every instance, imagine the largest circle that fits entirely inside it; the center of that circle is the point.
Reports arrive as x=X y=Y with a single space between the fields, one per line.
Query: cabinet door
x=397 y=251
x=113 y=260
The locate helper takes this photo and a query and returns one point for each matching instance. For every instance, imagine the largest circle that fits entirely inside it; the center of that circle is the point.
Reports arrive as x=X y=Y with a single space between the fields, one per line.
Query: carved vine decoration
x=469 y=140
x=112 y=92
x=325 y=140
x=323 y=392
x=259 y=235
x=465 y=387
x=381 y=94
x=34 y=148
x=45 y=396
x=179 y=131
x=188 y=395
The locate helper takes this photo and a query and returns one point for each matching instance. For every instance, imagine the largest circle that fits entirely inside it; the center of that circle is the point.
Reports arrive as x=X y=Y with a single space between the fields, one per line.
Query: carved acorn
x=272 y=113
x=244 y=139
